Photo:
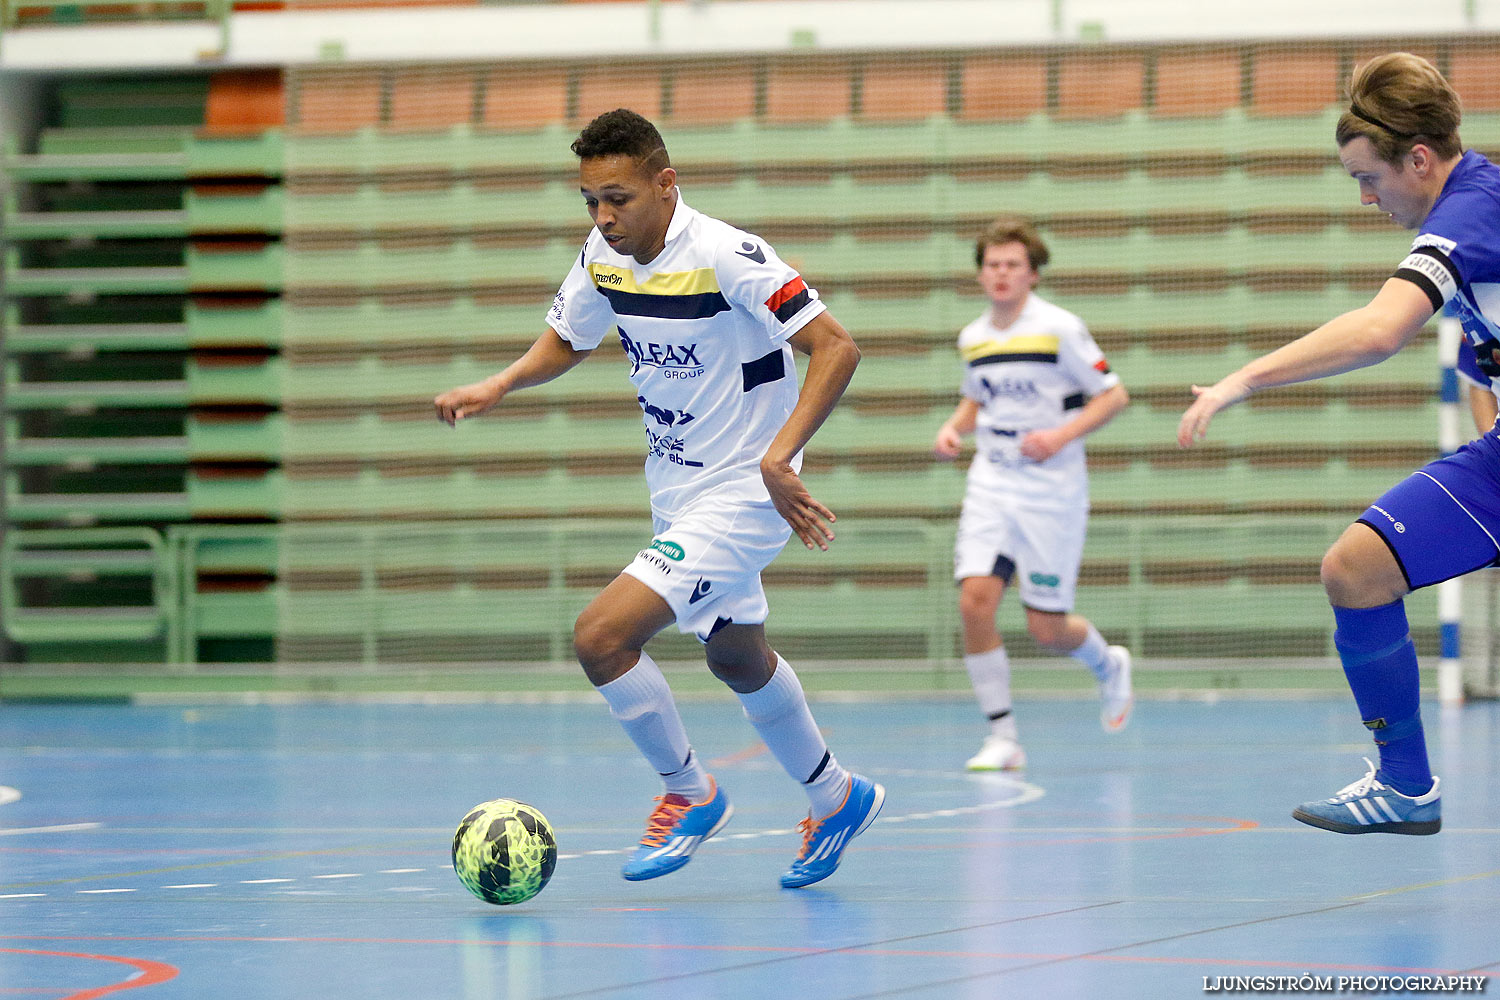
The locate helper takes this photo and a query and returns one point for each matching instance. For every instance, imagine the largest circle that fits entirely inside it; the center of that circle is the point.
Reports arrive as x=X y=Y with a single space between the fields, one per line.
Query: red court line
x=739 y=756
x=1268 y=963
x=150 y=972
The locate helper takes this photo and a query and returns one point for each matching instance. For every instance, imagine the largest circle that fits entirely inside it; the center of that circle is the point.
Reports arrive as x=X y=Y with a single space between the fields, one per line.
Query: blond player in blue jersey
x=1399 y=141
x=1035 y=385
x=708 y=316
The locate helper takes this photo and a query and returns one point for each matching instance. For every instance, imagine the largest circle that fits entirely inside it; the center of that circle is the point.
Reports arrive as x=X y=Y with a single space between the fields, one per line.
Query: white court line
x=192 y=885
x=101 y=892
x=400 y=871
x=341 y=875
x=1024 y=792
x=62 y=828
x=22 y=895
x=265 y=881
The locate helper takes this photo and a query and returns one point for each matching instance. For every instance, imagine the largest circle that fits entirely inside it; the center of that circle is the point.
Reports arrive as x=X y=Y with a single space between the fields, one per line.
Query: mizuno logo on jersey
x=752 y=252
x=700 y=591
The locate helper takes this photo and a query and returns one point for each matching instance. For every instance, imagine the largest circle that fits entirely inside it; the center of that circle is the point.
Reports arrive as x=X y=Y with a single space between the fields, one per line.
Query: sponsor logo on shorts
x=650 y=558
x=1043 y=579
x=671 y=550
x=700 y=591
x=1397 y=525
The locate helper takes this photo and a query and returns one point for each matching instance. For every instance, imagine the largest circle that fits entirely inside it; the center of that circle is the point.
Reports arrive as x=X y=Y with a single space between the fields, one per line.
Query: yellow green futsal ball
x=504 y=851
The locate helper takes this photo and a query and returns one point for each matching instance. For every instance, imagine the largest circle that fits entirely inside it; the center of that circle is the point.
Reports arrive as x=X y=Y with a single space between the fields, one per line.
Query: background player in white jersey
x=1035 y=386
x=705 y=313
x=1483 y=406
x=1399 y=141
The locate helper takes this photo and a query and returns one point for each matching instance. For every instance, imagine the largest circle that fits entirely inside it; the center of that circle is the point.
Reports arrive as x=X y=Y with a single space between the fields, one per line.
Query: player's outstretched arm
x=832 y=359
x=950 y=436
x=1357 y=339
x=543 y=361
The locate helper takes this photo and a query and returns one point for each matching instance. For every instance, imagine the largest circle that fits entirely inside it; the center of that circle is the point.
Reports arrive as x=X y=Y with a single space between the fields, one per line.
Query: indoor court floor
x=156 y=852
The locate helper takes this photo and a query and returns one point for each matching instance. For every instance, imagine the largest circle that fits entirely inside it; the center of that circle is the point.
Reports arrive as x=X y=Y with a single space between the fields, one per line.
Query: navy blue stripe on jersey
x=700 y=306
x=1431 y=259
x=792 y=306
x=999 y=359
x=771 y=368
x=1074 y=401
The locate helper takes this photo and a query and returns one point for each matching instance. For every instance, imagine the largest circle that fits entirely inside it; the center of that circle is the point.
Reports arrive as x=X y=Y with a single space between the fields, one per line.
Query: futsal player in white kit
x=1035 y=385
x=708 y=316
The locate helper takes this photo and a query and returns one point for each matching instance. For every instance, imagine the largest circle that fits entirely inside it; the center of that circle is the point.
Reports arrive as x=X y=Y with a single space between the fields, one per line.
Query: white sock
x=1004 y=725
x=642 y=702
x=779 y=713
x=989 y=672
x=1093 y=653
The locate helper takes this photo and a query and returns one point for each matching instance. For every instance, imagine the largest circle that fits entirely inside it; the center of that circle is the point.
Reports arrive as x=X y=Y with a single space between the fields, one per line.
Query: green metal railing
x=84 y=556
x=376 y=592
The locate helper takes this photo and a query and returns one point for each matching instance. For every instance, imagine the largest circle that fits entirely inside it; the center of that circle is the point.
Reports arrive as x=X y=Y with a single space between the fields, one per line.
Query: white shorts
x=706 y=564
x=997 y=537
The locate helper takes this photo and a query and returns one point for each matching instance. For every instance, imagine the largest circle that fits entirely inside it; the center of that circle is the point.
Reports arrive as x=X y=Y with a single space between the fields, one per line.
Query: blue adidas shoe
x=1370 y=806
x=674 y=830
x=824 y=840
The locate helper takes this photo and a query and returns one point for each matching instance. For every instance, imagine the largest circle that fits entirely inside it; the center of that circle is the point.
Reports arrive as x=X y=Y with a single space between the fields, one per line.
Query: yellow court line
x=1426 y=885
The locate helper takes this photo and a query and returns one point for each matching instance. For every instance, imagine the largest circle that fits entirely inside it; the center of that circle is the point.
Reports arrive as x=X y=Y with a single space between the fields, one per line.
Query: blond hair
x=1397 y=101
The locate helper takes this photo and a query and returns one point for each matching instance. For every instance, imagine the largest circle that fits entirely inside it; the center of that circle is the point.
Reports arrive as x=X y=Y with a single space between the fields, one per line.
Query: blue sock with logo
x=1380 y=662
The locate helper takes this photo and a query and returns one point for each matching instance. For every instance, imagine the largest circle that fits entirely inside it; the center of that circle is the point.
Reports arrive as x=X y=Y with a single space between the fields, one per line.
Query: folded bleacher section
x=142 y=333
x=229 y=329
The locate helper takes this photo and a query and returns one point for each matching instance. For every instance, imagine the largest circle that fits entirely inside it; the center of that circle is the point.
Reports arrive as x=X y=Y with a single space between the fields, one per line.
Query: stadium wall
x=291 y=37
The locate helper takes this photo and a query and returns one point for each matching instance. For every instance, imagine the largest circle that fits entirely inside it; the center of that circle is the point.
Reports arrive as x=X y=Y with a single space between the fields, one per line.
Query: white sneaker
x=999 y=753
x=1115 y=692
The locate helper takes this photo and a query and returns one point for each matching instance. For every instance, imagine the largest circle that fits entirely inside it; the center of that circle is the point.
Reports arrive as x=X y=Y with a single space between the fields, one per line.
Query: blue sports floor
x=301 y=851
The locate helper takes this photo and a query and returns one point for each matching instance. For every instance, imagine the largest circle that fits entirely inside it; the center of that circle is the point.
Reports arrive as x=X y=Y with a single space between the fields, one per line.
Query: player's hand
x=1043 y=444
x=948 y=443
x=809 y=519
x=467 y=401
x=1194 y=424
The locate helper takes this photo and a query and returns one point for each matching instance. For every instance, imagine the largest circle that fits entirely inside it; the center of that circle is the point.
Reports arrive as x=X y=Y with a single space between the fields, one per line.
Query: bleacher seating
x=231 y=297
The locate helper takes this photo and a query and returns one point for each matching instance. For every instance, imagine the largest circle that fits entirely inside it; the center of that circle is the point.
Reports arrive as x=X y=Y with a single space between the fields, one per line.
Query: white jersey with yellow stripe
x=1029 y=376
x=705 y=328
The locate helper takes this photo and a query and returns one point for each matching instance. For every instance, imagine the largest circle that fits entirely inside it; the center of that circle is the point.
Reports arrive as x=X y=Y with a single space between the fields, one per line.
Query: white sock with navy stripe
x=642 y=702
x=989 y=672
x=779 y=713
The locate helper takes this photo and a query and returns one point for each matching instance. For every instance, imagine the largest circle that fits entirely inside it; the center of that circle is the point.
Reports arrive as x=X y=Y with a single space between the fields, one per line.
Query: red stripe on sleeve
x=786 y=291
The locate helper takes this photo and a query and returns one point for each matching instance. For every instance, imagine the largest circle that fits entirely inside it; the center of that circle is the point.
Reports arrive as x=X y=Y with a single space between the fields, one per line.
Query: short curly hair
x=622 y=132
x=1013 y=229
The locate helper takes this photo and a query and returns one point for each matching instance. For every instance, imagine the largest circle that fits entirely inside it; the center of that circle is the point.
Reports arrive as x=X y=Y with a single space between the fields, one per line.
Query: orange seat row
x=1268 y=79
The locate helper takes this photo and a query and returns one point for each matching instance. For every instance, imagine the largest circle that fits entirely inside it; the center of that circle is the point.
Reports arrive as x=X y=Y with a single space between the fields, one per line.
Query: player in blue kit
x=708 y=316
x=1399 y=141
